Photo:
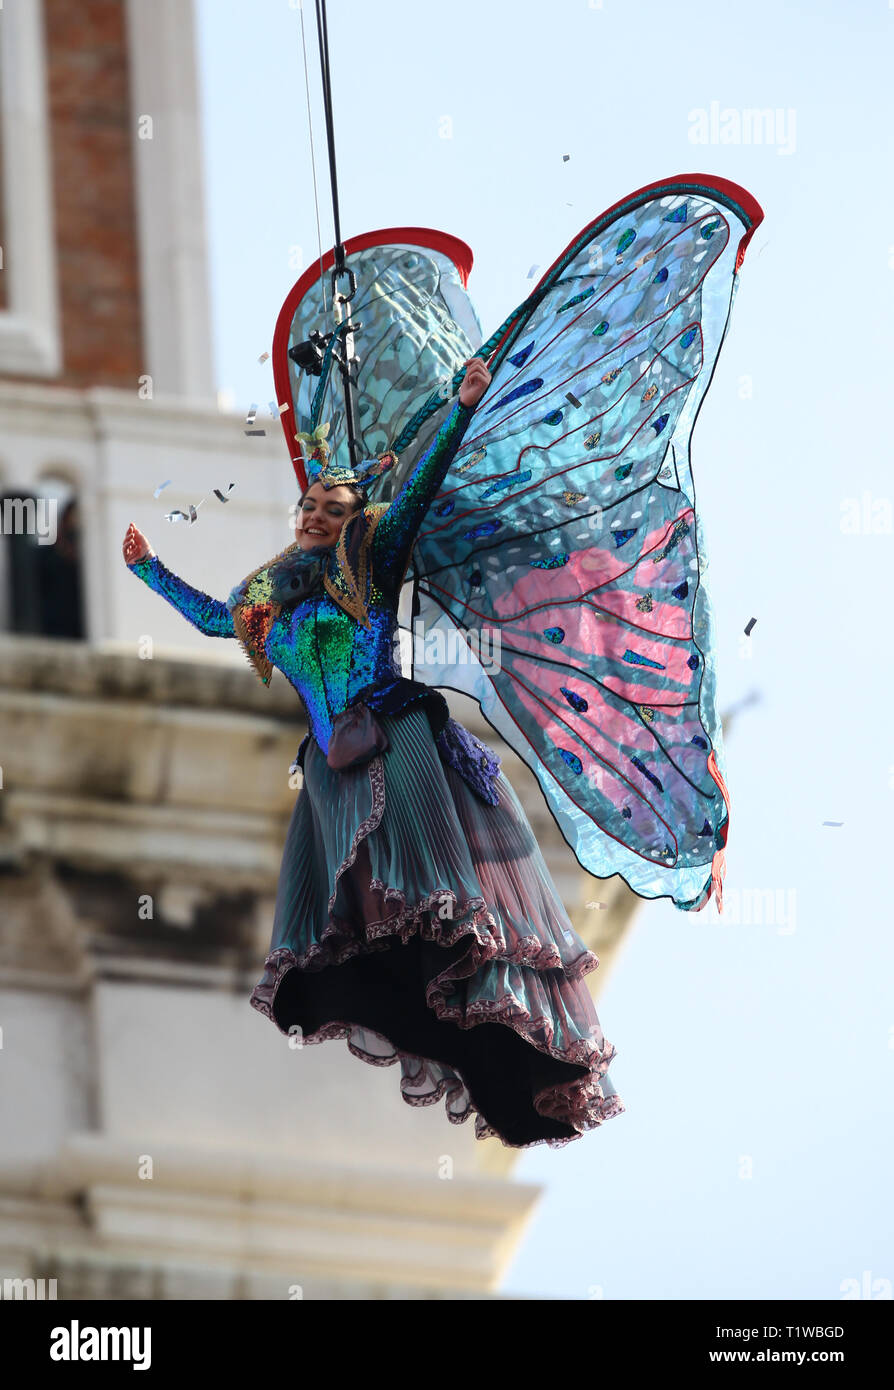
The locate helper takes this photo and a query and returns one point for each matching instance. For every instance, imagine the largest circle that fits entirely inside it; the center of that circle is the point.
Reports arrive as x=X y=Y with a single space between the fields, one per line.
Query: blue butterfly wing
x=565 y=551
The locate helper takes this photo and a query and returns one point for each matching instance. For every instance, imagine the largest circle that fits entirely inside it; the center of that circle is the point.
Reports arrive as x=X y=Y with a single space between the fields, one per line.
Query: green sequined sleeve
x=396 y=531
x=209 y=615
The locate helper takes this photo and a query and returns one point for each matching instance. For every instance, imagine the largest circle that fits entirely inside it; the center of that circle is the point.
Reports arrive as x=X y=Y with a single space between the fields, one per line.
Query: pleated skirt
x=421 y=924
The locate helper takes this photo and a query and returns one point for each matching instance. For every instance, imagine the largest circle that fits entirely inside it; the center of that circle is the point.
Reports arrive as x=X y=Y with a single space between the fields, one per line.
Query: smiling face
x=322 y=514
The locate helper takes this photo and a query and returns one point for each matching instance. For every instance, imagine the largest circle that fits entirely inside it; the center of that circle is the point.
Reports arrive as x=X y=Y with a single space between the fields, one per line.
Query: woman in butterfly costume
x=552 y=503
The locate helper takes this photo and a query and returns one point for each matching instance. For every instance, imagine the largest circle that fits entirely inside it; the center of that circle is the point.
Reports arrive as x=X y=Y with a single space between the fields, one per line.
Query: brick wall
x=93 y=192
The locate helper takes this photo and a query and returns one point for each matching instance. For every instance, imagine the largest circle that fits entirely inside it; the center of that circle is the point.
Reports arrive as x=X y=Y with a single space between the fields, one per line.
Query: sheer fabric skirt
x=421 y=924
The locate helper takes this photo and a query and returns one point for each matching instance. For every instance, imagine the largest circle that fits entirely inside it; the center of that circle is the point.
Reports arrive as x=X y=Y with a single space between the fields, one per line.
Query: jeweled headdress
x=316 y=454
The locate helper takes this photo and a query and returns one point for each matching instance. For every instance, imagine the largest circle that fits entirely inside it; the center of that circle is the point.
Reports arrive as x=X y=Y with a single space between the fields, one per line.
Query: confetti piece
x=751 y=623
x=255 y=431
x=263 y=357
x=161 y=488
x=597 y=904
x=283 y=409
x=565 y=158
x=572 y=398
x=532 y=270
x=191 y=516
x=252 y=412
x=220 y=496
x=833 y=822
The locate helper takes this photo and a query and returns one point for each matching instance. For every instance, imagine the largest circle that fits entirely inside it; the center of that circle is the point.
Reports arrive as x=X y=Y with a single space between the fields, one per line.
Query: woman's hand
x=136 y=546
x=475 y=382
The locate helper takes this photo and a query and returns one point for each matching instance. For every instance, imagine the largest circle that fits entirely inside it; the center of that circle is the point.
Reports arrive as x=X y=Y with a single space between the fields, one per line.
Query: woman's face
x=322 y=514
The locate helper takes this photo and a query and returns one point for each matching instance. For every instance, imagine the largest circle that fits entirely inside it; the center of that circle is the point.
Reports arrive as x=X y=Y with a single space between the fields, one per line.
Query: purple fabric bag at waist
x=356 y=737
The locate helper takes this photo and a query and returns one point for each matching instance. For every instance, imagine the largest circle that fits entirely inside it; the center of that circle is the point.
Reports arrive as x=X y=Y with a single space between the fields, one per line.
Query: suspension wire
x=339 y=264
x=313 y=164
x=323 y=33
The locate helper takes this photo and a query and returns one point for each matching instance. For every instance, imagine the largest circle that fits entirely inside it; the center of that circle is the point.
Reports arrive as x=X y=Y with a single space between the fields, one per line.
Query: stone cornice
x=70 y=414
x=77 y=670
x=254 y=1211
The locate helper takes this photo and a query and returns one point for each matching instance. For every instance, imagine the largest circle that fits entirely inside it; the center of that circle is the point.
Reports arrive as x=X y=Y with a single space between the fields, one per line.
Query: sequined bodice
x=329 y=657
x=324 y=652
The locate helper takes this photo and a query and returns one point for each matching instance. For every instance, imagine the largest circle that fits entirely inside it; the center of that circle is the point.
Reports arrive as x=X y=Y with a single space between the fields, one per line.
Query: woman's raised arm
x=209 y=615
x=396 y=531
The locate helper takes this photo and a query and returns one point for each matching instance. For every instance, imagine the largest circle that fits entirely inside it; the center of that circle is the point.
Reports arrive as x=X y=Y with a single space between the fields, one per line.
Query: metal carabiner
x=344 y=270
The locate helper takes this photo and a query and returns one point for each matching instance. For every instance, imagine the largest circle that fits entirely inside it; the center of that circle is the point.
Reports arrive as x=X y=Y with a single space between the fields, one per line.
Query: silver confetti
x=263 y=357
x=596 y=905
x=178 y=515
x=252 y=412
x=532 y=270
x=255 y=431
x=220 y=496
x=161 y=488
x=572 y=398
x=833 y=822
x=751 y=623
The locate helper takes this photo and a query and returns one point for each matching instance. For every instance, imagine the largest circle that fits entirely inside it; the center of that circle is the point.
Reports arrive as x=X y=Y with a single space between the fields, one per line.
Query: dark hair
x=359 y=494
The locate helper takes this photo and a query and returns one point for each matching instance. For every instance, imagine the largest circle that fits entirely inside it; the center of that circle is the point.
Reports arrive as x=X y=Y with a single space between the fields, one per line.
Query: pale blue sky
x=733 y=1040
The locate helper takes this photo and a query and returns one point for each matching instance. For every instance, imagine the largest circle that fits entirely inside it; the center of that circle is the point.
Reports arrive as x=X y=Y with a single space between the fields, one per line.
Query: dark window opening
x=42 y=588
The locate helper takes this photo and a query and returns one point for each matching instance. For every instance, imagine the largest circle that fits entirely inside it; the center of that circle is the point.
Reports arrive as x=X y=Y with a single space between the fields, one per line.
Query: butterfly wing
x=418 y=326
x=564 y=549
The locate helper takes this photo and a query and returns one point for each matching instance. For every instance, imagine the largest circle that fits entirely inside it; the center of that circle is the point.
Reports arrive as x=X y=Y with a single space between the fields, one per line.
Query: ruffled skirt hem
x=582 y=1104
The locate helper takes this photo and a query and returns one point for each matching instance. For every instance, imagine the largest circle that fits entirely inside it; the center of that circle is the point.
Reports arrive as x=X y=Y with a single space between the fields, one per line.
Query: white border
x=29 y=325
x=170 y=198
